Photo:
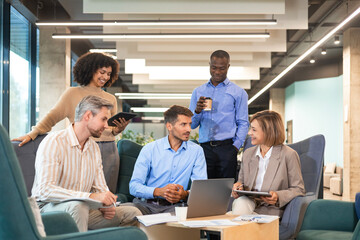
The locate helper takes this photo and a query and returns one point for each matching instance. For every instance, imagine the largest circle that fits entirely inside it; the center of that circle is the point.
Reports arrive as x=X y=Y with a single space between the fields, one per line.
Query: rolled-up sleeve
x=196 y=117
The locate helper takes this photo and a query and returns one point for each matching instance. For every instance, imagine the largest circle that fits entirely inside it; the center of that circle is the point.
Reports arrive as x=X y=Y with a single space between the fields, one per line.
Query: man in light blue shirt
x=223 y=128
x=160 y=180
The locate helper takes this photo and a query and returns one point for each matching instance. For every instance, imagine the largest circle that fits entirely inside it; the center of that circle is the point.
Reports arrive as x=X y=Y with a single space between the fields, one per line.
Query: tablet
x=253 y=193
x=124 y=115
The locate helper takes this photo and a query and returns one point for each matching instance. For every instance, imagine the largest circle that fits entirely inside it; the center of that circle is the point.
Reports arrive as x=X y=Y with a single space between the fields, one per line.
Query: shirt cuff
x=237 y=144
x=33 y=134
x=149 y=192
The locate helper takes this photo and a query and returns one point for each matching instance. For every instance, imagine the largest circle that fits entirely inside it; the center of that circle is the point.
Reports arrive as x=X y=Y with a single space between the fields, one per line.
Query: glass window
x=37 y=76
x=19 y=111
x=1 y=59
x=74 y=58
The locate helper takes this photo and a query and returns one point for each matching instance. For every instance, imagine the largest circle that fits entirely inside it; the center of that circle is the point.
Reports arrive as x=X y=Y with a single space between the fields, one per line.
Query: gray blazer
x=283 y=176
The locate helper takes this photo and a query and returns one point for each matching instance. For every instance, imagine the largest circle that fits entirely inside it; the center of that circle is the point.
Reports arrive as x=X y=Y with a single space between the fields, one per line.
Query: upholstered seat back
x=128 y=152
x=16 y=218
x=311 y=153
x=26 y=156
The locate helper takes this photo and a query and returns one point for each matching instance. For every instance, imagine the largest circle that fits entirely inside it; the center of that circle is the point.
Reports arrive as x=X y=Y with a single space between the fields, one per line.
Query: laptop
x=209 y=197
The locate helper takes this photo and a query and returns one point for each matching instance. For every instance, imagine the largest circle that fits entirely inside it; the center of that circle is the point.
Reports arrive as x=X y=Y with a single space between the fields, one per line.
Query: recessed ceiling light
x=148 y=109
x=99 y=50
x=162 y=36
x=153 y=95
x=312 y=60
x=243 y=22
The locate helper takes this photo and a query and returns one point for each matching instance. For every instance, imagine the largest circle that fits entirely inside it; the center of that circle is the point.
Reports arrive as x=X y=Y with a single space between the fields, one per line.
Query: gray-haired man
x=68 y=165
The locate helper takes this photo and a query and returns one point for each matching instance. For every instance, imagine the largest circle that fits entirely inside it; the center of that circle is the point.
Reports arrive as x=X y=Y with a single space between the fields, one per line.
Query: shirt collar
x=167 y=144
x=73 y=139
x=267 y=155
x=74 y=142
x=225 y=82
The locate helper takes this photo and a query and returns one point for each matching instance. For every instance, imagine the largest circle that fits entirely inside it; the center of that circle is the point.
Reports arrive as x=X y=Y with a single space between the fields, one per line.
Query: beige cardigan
x=65 y=108
x=283 y=176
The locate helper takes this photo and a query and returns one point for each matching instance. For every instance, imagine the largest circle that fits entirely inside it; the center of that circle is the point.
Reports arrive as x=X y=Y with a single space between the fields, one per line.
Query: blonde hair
x=272 y=126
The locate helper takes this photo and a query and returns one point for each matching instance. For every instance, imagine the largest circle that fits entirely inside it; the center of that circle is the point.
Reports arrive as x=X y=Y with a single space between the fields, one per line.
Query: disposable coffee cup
x=208 y=104
x=181 y=213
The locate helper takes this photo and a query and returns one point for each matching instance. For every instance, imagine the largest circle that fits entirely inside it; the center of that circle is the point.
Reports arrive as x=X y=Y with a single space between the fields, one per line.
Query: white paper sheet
x=153 y=219
x=256 y=218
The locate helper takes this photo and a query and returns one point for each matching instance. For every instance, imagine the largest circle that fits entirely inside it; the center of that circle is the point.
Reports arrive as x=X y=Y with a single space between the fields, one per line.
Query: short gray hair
x=91 y=103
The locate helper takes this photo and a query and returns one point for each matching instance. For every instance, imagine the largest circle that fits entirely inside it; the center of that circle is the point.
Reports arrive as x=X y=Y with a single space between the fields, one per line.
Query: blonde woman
x=269 y=166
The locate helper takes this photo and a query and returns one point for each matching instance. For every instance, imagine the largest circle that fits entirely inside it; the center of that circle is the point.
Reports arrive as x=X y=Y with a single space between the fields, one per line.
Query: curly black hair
x=89 y=63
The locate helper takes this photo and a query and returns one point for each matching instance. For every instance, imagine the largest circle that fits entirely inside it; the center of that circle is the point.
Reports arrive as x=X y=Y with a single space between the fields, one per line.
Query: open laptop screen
x=209 y=197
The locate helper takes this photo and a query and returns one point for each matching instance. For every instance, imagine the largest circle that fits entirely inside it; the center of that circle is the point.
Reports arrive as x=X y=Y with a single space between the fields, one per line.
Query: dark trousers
x=221 y=160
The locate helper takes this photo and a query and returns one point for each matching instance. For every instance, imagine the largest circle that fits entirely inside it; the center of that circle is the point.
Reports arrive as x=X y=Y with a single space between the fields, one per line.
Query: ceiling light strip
x=148 y=109
x=161 y=36
x=98 y=50
x=243 y=22
x=304 y=55
x=181 y=98
x=153 y=96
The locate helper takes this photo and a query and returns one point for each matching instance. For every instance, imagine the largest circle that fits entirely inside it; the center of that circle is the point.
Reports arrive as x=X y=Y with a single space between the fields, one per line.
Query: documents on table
x=153 y=219
x=256 y=218
x=209 y=223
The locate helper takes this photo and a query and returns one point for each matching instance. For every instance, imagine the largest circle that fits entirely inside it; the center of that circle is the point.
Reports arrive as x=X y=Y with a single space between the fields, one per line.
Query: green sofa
x=17 y=219
x=330 y=220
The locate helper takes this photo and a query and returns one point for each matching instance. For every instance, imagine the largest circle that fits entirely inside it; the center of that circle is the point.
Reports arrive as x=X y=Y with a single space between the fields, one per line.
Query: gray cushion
x=26 y=156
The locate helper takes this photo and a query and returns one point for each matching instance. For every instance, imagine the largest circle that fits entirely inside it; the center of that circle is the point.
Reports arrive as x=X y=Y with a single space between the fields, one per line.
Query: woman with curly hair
x=92 y=71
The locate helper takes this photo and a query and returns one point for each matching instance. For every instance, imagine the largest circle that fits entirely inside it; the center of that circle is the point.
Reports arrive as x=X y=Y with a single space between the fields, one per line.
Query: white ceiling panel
x=167 y=103
x=262 y=60
x=295 y=17
x=180 y=87
x=185 y=6
x=157 y=78
x=276 y=43
x=129 y=51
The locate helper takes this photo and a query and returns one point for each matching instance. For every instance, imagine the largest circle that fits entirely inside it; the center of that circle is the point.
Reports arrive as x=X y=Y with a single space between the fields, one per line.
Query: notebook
x=209 y=197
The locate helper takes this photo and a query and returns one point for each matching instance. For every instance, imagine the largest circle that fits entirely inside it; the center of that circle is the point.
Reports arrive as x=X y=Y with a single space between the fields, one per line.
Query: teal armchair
x=16 y=217
x=128 y=153
x=330 y=220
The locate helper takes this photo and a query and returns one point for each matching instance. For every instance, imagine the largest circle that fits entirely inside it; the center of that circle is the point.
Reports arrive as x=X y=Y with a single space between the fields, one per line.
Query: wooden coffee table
x=246 y=230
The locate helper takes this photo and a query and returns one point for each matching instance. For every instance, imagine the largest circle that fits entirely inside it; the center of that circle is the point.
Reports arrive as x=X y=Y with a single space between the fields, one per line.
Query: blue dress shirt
x=159 y=165
x=228 y=117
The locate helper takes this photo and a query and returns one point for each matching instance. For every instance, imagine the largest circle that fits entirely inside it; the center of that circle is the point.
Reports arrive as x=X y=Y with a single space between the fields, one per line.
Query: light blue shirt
x=228 y=118
x=159 y=165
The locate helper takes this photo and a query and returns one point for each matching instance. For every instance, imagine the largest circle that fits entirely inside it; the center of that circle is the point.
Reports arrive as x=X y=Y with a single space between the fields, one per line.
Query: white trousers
x=243 y=206
x=93 y=219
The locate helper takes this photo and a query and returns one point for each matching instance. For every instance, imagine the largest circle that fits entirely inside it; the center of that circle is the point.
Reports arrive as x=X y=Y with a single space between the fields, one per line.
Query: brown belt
x=219 y=143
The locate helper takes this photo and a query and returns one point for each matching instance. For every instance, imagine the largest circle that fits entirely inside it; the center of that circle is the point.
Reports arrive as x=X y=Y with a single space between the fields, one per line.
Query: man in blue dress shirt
x=164 y=167
x=223 y=128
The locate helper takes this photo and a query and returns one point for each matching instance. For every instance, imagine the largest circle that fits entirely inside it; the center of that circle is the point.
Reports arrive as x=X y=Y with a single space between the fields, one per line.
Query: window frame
x=5 y=60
